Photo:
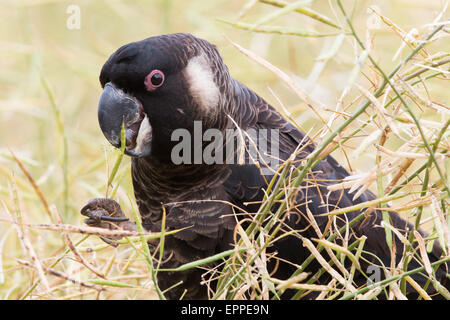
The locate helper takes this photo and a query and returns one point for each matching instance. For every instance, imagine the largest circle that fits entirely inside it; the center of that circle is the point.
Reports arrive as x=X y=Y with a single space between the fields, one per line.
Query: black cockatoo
x=179 y=82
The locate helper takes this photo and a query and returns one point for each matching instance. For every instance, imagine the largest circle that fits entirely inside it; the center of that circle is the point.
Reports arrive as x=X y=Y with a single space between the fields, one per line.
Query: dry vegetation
x=369 y=84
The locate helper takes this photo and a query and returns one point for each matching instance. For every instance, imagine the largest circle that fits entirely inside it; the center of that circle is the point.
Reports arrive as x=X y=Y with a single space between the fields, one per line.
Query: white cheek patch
x=201 y=83
x=144 y=135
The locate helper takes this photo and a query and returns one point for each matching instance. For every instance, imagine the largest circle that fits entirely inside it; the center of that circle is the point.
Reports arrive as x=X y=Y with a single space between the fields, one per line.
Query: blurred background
x=51 y=53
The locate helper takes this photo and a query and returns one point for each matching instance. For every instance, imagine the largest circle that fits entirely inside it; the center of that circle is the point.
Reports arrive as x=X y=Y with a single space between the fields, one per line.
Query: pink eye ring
x=154 y=80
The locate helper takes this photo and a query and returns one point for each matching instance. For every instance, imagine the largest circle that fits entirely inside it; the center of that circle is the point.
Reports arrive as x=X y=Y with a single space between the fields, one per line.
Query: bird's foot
x=106 y=213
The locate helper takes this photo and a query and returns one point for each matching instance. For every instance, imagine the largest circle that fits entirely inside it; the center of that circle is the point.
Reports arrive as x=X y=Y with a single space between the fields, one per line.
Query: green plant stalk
x=119 y=158
x=441 y=289
x=425 y=287
x=147 y=254
x=337 y=43
x=163 y=237
x=427 y=172
x=419 y=72
x=305 y=11
x=430 y=61
x=15 y=196
x=61 y=132
x=111 y=283
x=385 y=214
x=274 y=219
x=274 y=194
x=200 y=262
x=361 y=242
x=341 y=251
x=364 y=205
x=413 y=84
x=116 y=187
x=174 y=286
x=277 y=29
x=281 y=12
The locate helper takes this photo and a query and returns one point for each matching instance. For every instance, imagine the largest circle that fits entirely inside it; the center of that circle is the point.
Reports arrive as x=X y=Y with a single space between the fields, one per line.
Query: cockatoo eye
x=154 y=80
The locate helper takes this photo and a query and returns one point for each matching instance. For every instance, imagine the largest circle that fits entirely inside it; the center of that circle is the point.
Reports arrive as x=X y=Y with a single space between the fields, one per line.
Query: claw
x=113 y=219
x=90 y=221
x=99 y=214
x=111 y=243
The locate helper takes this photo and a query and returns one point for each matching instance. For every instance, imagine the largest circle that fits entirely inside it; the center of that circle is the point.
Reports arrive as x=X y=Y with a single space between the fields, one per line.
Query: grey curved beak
x=116 y=107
